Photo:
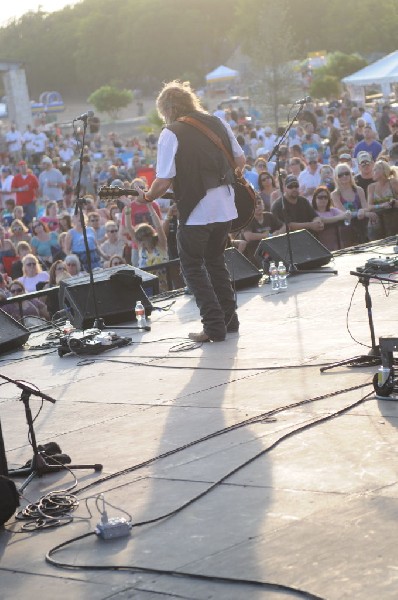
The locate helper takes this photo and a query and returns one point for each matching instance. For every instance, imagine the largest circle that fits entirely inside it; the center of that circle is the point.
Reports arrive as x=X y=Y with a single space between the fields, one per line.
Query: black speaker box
x=116 y=291
x=243 y=273
x=12 y=334
x=307 y=251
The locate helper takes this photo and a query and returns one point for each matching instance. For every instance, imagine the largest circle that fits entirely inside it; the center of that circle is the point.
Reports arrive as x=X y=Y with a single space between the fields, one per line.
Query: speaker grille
x=242 y=272
x=12 y=334
x=307 y=251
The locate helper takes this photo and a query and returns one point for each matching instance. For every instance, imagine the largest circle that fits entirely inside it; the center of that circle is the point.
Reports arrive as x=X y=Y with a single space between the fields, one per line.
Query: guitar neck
x=117 y=192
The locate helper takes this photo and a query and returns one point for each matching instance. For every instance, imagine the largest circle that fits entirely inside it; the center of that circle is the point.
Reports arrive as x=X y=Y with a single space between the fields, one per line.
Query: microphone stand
x=38 y=465
x=292 y=268
x=80 y=202
x=374 y=357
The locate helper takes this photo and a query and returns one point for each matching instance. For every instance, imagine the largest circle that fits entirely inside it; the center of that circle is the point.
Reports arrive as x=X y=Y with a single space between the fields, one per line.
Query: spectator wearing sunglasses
x=27 y=308
x=349 y=196
x=296 y=210
x=32 y=273
x=331 y=217
x=19 y=232
x=113 y=244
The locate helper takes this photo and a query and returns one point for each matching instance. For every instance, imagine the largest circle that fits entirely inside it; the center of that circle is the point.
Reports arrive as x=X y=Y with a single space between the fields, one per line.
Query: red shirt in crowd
x=20 y=181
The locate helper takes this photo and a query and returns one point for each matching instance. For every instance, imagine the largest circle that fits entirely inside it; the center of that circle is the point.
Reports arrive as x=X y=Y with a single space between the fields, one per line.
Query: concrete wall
x=16 y=88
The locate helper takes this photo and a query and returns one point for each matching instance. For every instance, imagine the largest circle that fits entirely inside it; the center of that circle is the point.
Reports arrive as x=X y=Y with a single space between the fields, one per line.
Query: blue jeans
x=201 y=251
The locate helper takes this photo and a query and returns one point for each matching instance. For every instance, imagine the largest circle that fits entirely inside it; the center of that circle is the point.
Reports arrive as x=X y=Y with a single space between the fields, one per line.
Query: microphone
x=304 y=100
x=85 y=116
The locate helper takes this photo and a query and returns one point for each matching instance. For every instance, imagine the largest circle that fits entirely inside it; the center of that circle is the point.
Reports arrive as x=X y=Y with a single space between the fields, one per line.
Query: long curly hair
x=177 y=99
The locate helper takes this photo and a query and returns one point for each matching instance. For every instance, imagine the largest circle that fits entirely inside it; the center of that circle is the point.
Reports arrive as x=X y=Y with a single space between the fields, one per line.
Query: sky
x=16 y=9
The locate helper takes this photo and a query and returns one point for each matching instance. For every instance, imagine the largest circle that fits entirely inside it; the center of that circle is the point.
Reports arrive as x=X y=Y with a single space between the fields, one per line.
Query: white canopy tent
x=383 y=73
x=221 y=74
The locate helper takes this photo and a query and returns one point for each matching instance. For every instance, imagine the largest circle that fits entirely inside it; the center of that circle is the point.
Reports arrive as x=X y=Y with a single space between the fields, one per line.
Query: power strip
x=113 y=528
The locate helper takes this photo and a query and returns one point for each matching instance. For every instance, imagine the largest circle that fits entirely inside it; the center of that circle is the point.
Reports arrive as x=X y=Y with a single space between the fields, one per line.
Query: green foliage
x=155 y=123
x=110 y=99
x=325 y=86
x=138 y=44
x=340 y=65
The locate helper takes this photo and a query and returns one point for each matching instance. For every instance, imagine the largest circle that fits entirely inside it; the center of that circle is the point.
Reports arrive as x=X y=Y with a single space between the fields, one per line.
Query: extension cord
x=113 y=528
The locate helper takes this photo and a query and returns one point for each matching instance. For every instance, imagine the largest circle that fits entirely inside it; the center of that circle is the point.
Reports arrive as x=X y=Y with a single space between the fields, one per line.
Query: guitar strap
x=212 y=136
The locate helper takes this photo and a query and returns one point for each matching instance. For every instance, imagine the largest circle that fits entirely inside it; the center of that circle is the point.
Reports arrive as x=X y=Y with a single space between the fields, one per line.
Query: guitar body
x=245 y=202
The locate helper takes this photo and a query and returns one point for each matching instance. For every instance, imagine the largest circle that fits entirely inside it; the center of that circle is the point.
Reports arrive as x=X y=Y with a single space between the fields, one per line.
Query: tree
x=340 y=65
x=110 y=99
x=325 y=86
x=267 y=39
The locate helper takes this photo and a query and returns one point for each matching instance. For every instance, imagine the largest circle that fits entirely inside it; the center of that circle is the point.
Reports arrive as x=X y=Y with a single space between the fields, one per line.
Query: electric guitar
x=244 y=200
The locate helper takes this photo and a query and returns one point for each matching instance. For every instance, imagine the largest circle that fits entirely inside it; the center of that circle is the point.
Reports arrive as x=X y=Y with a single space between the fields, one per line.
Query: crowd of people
x=336 y=169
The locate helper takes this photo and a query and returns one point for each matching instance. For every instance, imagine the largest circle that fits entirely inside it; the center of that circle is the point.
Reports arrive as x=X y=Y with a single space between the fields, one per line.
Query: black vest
x=200 y=165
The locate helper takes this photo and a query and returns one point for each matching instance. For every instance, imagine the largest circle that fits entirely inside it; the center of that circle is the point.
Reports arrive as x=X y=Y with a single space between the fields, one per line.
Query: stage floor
x=310 y=506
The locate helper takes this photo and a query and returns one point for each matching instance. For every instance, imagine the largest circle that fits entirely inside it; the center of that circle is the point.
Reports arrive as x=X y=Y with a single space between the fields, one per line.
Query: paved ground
x=317 y=512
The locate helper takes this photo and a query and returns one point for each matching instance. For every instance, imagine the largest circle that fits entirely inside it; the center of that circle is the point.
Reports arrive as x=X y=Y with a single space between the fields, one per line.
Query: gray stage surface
x=318 y=512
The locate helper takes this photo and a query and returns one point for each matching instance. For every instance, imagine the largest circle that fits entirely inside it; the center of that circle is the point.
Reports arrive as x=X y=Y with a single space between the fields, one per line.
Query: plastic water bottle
x=273 y=275
x=282 y=276
x=347 y=220
x=140 y=314
x=68 y=327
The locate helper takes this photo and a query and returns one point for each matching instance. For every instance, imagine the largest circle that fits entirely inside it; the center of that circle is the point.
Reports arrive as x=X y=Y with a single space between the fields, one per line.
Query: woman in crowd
x=57 y=273
x=7 y=249
x=295 y=166
x=32 y=273
x=74 y=244
x=72 y=264
x=51 y=216
x=65 y=223
x=113 y=244
x=27 y=308
x=266 y=186
x=349 y=197
x=151 y=241
x=383 y=199
x=19 y=232
x=23 y=248
x=44 y=243
x=331 y=216
x=117 y=261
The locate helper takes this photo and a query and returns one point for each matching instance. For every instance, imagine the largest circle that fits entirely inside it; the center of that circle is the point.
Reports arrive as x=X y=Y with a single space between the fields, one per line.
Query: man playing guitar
x=202 y=182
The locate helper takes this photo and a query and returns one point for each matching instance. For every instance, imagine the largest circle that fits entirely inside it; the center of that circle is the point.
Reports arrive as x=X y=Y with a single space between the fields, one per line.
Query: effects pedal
x=90 y=341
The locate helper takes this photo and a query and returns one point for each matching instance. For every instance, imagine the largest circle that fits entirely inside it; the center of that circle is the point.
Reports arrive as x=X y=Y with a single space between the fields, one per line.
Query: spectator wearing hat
x=345 y=157
x=369 y=143
x=25 y=185
x=296 y=210
x=51 y=182
x=365 y=175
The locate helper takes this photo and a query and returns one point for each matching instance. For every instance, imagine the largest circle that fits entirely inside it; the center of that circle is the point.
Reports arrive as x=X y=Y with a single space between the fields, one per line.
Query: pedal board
x=90 y=341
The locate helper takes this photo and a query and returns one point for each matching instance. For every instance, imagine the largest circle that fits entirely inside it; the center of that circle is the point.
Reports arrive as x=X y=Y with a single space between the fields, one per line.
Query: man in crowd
x=296 y=210
x=202 y=180
x=368 y=144
x=365 y=175
x=25 y=186
x=51 y=182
